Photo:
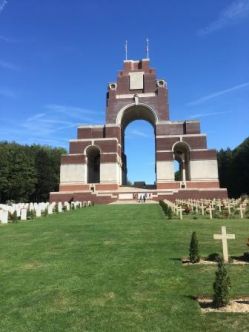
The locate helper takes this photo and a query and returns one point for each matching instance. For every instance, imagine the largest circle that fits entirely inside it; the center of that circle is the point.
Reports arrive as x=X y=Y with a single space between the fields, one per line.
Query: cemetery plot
x=119 y=267
x=240 y=305
x=209 y=209
x=13 y=213
x=194 y=252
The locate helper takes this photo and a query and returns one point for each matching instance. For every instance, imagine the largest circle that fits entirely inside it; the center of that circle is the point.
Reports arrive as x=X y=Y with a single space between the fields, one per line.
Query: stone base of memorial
x=240 y=305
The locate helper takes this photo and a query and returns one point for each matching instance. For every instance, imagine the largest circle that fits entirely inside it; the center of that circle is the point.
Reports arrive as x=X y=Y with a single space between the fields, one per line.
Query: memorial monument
x=96 y=168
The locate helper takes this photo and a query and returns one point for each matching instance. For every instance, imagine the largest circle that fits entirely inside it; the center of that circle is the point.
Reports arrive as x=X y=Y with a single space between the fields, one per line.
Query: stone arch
x=132 y=112
x=89 y=146
x=181 y=152
x=93 y=164
x=128 y=114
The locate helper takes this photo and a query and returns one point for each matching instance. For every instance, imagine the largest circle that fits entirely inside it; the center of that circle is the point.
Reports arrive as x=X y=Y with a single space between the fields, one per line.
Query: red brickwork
x=196 y=142
x=149 y=103
x=73 y=159
x=203 y=155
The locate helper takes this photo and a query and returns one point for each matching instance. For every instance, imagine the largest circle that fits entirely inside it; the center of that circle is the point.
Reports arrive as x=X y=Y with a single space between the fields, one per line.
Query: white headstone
x=23 y=214
x=38 y=212
x=4 y=216
x=60 y=207
x=50 y=209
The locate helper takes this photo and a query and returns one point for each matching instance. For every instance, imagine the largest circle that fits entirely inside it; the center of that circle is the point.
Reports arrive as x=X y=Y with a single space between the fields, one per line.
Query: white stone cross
x=228 y=208
x=202 y=209
x=241 y=209
x=180 y=209
x=219 y=205
x=224 y=237
x=210 y=209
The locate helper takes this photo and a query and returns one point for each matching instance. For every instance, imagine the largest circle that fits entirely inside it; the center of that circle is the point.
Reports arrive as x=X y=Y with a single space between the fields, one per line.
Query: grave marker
x=224 y=237
x=23 y=214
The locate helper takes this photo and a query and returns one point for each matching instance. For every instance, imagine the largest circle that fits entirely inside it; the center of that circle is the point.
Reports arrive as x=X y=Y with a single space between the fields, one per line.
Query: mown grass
x=113 y=268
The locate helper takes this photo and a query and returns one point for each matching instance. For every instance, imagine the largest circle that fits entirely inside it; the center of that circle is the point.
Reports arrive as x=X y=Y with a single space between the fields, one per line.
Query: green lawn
x=113 y=268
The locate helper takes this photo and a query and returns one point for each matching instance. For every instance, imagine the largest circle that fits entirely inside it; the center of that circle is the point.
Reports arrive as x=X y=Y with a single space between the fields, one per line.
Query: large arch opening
x=138 y=145
x=181 y=163
x=93 y=164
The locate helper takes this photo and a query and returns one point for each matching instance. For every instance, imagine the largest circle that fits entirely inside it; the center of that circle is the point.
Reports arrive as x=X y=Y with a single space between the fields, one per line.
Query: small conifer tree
x=56 y=210
x=221 y=286
x=170 y=212
x=14 y=217
x=194 y=249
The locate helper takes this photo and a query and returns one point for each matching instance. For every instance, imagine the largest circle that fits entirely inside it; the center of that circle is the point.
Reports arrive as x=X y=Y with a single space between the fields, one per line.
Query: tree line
x=28 y=173
x=234 y=169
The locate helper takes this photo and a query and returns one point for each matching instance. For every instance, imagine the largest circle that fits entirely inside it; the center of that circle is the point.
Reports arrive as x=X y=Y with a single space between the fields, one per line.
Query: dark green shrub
x=246 y=256
x=214 y=257
x=194 y=249
x=166 y=209
x=221 y=286
x=56 y=210
x=170 y=212
x=13 y=217
x=31 y=215
x=45 y=213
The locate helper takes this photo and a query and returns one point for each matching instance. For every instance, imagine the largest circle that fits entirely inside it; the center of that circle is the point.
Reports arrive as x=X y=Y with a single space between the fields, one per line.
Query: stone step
x=120 y=201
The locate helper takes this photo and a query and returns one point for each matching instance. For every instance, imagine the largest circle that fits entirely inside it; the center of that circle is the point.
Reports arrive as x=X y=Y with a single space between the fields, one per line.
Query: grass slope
x=113 y=268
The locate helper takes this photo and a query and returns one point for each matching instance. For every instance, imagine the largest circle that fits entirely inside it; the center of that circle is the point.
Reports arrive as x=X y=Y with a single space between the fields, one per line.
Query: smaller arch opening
x=182 y=162
x=93 y=164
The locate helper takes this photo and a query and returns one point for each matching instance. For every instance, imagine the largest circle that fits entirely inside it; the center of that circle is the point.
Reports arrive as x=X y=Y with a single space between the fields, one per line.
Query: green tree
x=221 y=286
x=28 y=172
x=194 y=249
x=234 y=169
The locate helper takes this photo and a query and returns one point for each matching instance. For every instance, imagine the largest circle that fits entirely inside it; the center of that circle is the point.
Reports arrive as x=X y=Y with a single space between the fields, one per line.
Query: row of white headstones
x=204 y=206
x=21 y=209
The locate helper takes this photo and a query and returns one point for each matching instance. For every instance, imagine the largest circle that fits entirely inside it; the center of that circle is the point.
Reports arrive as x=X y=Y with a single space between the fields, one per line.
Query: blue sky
x=56 y=58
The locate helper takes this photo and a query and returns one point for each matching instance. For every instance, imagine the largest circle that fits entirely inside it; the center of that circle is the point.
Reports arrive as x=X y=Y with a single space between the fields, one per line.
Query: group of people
x=142 y=197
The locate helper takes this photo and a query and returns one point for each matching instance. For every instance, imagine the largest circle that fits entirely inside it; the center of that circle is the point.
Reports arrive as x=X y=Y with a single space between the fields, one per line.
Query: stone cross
x=229 y=208
x=180 y=209
x=210 y=209
x=224 y=237
x=202 y=209
x=219 y=205
x=241 y=209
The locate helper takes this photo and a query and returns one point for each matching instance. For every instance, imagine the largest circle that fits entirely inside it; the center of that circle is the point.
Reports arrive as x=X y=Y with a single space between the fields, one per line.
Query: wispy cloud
x=217 y=94
x=236 y=11
x=8 y=40
x=139 y=133
x=5 y=92
x=8 y=65
x=57 y=117
x=53 y=125
x=3 y=3
x=203 y=115
x=77 y=113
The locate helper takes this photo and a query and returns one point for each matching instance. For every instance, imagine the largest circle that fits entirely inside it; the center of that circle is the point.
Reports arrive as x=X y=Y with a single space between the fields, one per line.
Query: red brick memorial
x=96 y=169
